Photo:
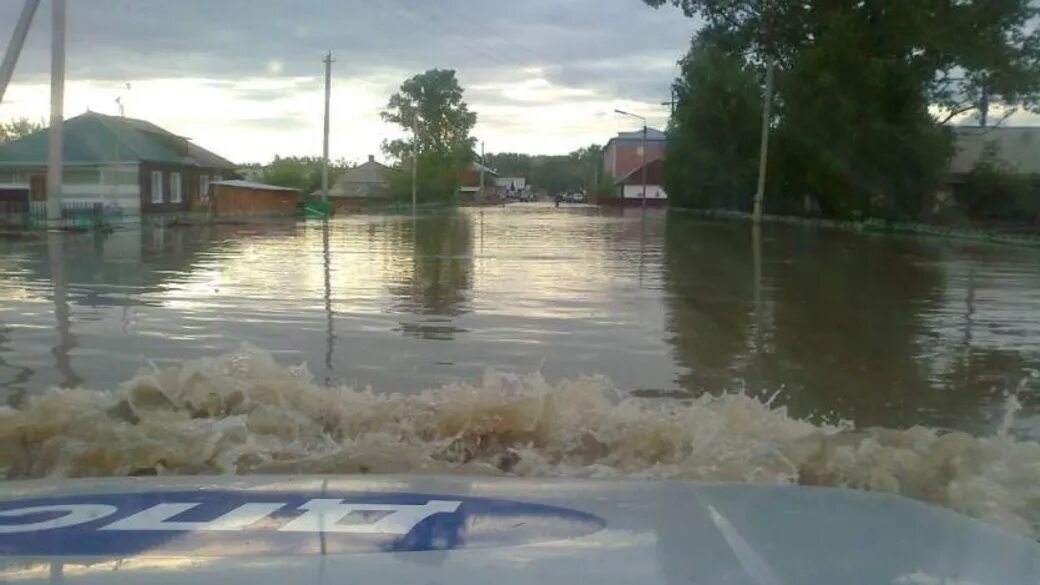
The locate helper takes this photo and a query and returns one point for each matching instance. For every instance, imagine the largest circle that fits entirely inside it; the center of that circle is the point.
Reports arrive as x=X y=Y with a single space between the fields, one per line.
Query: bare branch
x=956 y=113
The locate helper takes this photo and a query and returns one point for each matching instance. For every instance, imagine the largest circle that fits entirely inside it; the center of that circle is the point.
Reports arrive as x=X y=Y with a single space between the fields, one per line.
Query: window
x=175 y=188
x=157 y=187
x=204 y=188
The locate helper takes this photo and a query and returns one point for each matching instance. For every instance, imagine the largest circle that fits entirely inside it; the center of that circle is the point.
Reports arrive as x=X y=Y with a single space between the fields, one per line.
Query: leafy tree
x=303 y=173
x=989 y=59
x=431 y=109
x=712 y=153
x=857 y=133
x=856 y=85
x=589 y=165
x=556 y=174
x=18 y=128
x=435 y=182
x=510 y=164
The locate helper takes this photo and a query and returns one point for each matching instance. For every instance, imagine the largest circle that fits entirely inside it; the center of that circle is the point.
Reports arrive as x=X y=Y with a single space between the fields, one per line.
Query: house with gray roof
x=1016 y=147
x=129 y=166
x=365 y=181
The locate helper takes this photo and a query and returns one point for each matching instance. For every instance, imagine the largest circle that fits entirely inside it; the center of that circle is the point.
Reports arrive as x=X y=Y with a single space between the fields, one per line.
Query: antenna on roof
x=119 y=102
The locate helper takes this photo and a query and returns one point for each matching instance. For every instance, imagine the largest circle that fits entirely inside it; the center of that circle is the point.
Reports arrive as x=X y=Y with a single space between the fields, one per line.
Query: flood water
x=882 y=331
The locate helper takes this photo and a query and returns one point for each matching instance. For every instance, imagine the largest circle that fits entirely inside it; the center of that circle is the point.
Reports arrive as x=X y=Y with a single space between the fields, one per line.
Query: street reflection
x=441 y=250
x=883 y=331
x=840 y=323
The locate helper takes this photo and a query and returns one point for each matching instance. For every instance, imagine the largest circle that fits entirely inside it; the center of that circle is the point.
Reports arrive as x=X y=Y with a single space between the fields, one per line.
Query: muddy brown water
x=882 y=331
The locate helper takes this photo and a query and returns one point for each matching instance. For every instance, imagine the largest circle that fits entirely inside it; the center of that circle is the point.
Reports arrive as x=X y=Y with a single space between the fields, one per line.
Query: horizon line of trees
x=18 y=128
x=579 y=170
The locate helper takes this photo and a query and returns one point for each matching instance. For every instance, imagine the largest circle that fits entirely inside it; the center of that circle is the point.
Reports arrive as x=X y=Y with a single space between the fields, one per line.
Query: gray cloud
x=283 y=122
x=116 y=40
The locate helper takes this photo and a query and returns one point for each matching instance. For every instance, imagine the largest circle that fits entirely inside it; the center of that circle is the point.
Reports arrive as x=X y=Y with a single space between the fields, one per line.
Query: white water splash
x=243 y=413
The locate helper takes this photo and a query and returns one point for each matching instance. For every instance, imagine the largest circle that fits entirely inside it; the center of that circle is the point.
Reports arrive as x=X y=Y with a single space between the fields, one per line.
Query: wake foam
x=243 y=413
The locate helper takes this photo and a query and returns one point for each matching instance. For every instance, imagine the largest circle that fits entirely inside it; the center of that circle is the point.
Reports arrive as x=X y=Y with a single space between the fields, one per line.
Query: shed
x=238 y=197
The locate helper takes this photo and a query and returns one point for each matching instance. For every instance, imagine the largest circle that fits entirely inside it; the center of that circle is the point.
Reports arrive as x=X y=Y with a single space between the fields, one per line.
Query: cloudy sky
x=244 y=77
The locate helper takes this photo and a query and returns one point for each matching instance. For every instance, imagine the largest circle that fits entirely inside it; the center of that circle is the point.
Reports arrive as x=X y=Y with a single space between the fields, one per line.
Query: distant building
x=630 y=187
x=253 y=172
x=469 y=182
x=129 y=166
x=365 y=181
x=1017 y=147
x=623 y=153
x=510 y=185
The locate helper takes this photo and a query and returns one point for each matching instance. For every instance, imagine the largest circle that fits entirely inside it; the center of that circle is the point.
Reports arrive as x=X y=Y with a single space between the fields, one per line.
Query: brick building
x=623 y=154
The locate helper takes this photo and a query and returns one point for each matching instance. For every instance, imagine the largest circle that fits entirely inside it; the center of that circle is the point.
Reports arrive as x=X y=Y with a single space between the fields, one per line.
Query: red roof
x=654 y=174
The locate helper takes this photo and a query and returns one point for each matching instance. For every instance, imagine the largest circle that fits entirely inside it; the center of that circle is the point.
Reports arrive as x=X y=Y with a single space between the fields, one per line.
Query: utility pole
x=14 y=49
x=481 y=169
x=767 y=103
x=644 y=165
x=415 y=169
x=328 y=60
x=671 y=103
x=54 y=165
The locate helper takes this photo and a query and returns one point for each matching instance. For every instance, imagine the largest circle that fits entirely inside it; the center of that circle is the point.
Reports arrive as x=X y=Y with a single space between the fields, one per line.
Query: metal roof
x=93 y=138
x=252 y=185
x=476 y=166
x=654 y=174
x=1019 y=147
x=369 y=172
x=652 y=135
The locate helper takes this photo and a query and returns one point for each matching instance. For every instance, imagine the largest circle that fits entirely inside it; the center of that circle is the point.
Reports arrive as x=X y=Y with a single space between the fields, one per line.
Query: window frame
x=176 y=188
x=204 y=187
x=158 y=194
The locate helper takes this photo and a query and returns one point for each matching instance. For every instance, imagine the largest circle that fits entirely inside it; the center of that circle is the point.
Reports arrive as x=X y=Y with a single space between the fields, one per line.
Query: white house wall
x=652 y=192
x=117 y=187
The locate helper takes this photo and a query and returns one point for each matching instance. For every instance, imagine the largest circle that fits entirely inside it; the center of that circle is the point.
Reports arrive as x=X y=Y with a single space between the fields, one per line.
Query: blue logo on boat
x=231 y=523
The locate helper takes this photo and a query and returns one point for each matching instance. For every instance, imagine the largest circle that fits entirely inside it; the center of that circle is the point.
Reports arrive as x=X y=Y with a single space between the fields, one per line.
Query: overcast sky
x=244 y=77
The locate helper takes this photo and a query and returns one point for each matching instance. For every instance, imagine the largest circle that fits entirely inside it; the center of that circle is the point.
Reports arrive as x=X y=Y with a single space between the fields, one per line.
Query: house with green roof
x=130 y=166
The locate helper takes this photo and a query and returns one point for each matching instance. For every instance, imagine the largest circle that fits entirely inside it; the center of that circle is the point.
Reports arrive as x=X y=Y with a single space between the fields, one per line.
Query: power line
x=447 y=28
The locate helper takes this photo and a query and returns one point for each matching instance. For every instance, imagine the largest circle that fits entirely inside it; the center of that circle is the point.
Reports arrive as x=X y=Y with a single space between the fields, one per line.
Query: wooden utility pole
x=481 y=169
x=54 y=165
x=325 y=147
x=671 y=103
x=767 y=103
x=763 y=157
x=415 y=170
